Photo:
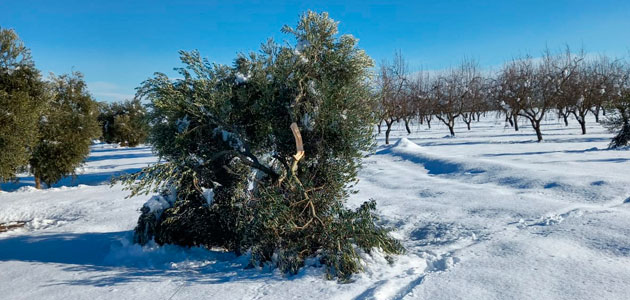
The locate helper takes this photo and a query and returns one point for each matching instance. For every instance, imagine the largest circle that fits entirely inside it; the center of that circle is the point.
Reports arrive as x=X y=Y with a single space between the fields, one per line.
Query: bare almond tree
x=536 y=87
x=452 y=91
x=586 y=89
x=427 y=104
x=473 y=88
x=408 y=105
x=617 y=99
x=447 y=100
x=511 y=87
x=391 y=84
x=419 y=97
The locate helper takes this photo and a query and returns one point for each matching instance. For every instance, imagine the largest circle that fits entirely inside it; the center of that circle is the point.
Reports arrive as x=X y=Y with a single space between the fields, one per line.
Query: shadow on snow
x=97 y=178
x=81 y=179
x=116 y=261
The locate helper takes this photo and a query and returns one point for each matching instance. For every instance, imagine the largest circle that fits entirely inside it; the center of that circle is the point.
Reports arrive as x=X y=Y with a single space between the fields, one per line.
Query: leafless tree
x=618 y=101
x=451 y=91
x=473 y=91
x=529 y=89
x=391 y=84
x=408 y=105
x=512 y=87
x=419 y=98
x=586 y=89
x=447 y=101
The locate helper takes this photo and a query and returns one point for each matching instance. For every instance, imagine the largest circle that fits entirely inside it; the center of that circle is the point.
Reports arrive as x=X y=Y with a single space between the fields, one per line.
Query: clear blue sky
x=118 y=44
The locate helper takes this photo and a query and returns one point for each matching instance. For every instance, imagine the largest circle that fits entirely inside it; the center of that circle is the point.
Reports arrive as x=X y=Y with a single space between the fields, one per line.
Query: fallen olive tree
x=260 y=157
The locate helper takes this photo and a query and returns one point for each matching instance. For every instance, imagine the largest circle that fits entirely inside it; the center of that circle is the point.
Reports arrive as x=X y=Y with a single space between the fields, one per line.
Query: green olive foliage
x=21 y=101
x=226 y=131
x=124 y=123
x=66 y=129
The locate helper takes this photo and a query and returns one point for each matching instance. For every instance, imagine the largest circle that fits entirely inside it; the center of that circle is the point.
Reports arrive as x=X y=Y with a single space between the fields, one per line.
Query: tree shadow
x=109 y=258
x=542 y=152
x=63 y=248
x=91 y=179
x=118 y=156
x=96 y=178
x=533 y=141
x=118 y=149
x=609 y=160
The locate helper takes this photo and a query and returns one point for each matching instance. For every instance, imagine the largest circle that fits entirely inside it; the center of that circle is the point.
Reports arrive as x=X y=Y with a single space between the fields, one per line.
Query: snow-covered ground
x=489 y=214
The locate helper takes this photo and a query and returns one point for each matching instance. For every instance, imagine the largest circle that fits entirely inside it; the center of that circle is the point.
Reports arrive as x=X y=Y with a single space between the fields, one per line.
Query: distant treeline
x=565 y=83
x=48 y=125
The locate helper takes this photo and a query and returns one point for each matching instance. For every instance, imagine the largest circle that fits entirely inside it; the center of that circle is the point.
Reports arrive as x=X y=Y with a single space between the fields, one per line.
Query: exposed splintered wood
x=11 y=225
x=298 y=142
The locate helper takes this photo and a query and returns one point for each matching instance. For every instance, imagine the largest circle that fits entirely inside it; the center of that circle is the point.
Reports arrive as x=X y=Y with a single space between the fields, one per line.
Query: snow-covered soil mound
x=489 y=214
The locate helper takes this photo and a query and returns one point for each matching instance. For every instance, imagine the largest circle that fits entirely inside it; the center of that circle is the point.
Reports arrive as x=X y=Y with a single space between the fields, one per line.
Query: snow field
x=489 y=214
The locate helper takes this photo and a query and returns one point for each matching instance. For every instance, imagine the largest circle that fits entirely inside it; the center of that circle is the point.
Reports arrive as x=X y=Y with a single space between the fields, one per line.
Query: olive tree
x=124 y=123
x=22 y=98
x=66 y=129
x=261 y=156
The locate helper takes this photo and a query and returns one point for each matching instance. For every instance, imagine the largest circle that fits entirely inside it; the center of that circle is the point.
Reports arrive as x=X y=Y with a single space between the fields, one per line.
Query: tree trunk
x=38 y=183
x=379 y=126
x=468 y=124
x=515 y=117
x=407 y=126
x=566 y=121
x=429 y=122
x=581 y=118
x=536 y=125
x=449 y=121
x=389 y=129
